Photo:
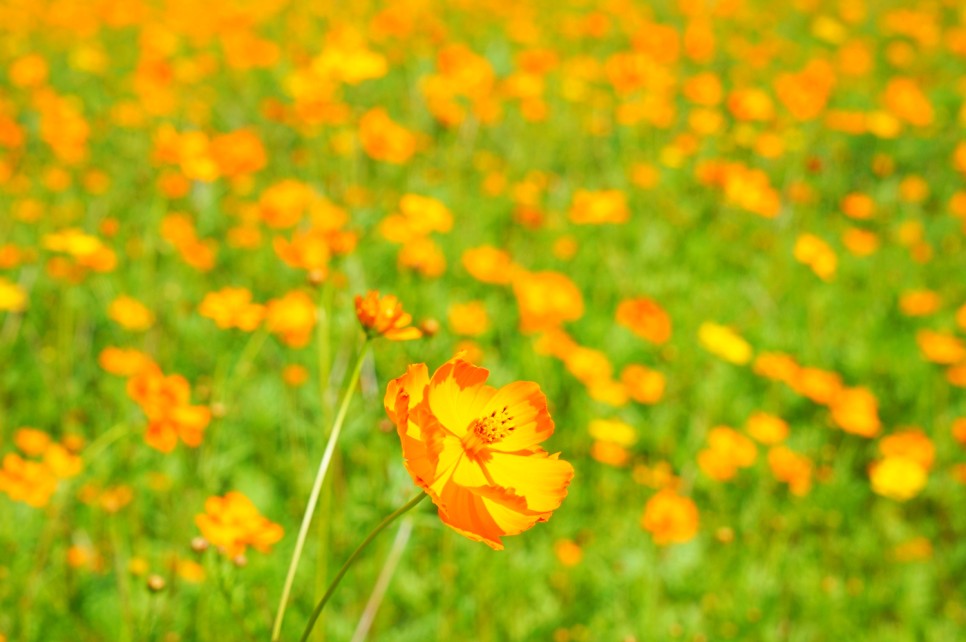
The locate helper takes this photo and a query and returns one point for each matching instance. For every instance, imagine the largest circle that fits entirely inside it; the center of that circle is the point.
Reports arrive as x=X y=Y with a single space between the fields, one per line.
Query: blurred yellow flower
x=724 y=342
x=292 y=318
x=898 y=478
x=468 y=319
x=767 y=429
x=130 y=314
x=12 y=297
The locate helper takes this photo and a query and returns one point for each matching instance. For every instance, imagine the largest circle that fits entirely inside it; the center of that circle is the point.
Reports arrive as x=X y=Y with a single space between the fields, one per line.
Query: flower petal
x=457 y=394
x=527 y=407
x=539 y=478
x=410 y=387
x=466 y=512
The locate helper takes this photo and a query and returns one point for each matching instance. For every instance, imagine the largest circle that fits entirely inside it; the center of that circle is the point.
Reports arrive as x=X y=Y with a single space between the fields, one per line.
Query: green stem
x=352 y=558
x=317 y=490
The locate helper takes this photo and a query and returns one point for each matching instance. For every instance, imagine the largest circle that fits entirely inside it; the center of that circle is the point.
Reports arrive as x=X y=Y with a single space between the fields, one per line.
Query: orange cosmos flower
x=546 y=299
x=568 y=552
x=912 y=444
x=596 y=208
x=816 y=254
x=860 y=242
x=385 y=140
x=791 y=468
x=292 y=317
x=232 y=524
x=232 y=308
x=919 y=303
x=166 y=400
x=906 y=100
x=856 y=411
x=776 y=366
x=238 y=153
x=670 y=518
x=645 y=318
x=27 y=481
x=611 y=440
x=125 y=362
x=821 y=386
x=130 y=314
x=941 y=348
x=767 y=429
x=474 y=449
x=489 y=265
x=424 y=255
x=859 y=206
x=468 y=319
x=284 y=203
x=643 y=385
x=385 y=317
x=727 y=451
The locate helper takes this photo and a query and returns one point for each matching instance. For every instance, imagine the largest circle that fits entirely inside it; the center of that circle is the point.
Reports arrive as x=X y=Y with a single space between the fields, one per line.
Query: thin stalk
x=324 y=355
x=352 y=558
x=317 y=490
x=382 y=582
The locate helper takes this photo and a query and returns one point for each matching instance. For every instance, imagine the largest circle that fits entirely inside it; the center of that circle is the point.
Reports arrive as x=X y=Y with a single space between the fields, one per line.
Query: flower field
x=661 y=306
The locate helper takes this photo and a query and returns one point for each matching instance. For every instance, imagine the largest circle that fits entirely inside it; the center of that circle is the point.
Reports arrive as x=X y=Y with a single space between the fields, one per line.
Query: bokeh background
x=725 y=237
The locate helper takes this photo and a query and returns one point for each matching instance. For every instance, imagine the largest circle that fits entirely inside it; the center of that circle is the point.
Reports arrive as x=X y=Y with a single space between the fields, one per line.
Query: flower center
x=487 y=430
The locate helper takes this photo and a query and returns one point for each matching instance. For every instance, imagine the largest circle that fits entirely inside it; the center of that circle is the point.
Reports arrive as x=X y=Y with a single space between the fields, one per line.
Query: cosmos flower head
x=475 y=449
x=384 y=316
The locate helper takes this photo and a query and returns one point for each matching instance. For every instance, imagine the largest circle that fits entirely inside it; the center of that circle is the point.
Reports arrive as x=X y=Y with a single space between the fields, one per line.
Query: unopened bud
x=155 y=583
x=429 y=327
x=199 y=545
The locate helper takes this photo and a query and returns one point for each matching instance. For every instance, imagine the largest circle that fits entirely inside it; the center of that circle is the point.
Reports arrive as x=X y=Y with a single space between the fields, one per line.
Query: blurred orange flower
x=468 y=319
x=856 y=411
x=643 y=385
x=130 y=313
x=384 y=316
x=166 y=400
x=292 y=317
x=767 y=429
x=489 y=265
x=941 y=348
x=791 y=468
x=123 y=361
x=474 y=449
x=26 y=481
x=385 y=140
x=645 y=318
x=670 y=518
x=611 y=440
x=232 y=308
x=727 y=451
x=595 y=208
x=919 y=303
x=232 y=524
x=546 y=300
x=912 y=444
